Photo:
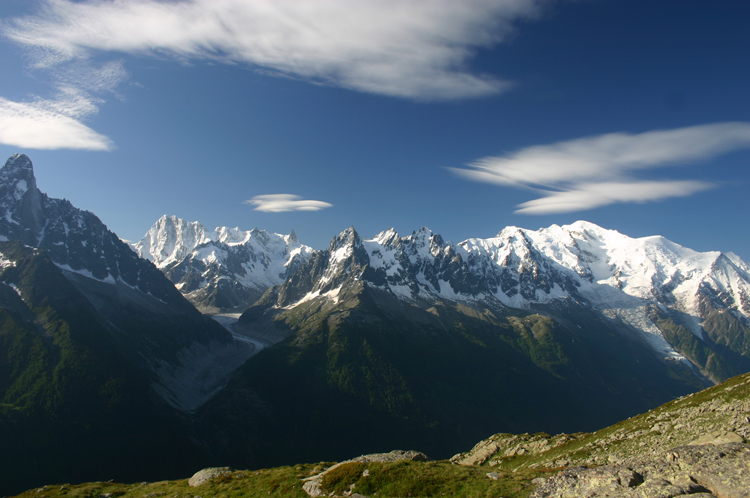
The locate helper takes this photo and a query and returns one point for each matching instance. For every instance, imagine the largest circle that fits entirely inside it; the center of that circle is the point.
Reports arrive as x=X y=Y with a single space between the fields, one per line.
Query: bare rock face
x=718 y=470
x=205 y=475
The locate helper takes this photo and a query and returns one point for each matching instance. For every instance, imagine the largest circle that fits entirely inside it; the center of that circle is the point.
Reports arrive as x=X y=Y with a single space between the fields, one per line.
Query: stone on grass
x=206 y=475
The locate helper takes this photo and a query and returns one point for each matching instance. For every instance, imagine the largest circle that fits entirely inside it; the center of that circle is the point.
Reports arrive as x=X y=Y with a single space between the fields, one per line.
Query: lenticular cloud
x=597 y=171
x=279 y=203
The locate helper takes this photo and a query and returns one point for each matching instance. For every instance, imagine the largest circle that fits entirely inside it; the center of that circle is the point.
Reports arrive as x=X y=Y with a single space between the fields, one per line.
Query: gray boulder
x=205 y=475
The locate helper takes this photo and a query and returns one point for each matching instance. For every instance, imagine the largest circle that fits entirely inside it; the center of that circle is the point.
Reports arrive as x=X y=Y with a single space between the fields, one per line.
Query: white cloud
x=597 y=171
x=593 y=195
x=47 y=125
x=56 y=123
x=415 y=49
x=279 y=203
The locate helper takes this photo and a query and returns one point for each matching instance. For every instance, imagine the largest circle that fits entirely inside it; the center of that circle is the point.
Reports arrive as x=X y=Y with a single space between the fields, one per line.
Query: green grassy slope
x=71 y=407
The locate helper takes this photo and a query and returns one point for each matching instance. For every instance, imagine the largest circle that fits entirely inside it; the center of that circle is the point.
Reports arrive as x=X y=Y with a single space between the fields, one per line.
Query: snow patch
x=331 y=295
x=109 y=279
x=264 y=257
x=15 y=288
x=6 y=263
x=21 y=188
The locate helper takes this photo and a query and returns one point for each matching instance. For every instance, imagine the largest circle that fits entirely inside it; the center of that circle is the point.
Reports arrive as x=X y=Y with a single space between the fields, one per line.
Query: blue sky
x=465 y=117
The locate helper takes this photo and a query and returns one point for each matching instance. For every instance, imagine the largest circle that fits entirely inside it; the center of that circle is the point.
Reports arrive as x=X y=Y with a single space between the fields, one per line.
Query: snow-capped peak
x=18 y=165
x=387 y=237
x=226 y=260
x=170 y=240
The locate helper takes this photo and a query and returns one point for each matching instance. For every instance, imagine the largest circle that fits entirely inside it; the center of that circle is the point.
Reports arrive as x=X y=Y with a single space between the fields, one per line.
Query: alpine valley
x=108 y=369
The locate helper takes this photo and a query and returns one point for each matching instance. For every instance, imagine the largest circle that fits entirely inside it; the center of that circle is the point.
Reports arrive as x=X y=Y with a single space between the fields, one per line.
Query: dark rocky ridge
x=73 y=404
x=72 y=237
x=146 y=315
x=97 y=348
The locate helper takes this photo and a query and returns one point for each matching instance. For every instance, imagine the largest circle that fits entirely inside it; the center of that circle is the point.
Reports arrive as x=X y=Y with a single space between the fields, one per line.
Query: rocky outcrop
x=499 y=446
x=703 y=470
x=312 y=485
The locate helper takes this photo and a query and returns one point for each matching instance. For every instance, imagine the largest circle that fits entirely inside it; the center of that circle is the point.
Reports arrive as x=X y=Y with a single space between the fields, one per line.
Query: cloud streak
x=597 y=171
x=48 y=125
x=414 y=49
x=279 y=203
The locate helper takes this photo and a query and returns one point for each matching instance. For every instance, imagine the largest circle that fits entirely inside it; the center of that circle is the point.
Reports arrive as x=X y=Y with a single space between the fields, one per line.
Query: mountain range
x=365 y=346
x=683 y=304
x=432 y=344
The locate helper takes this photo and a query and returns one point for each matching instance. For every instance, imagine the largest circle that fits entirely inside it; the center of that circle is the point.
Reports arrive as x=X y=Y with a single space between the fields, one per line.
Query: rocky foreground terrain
x=710 y=470
x=695 y=445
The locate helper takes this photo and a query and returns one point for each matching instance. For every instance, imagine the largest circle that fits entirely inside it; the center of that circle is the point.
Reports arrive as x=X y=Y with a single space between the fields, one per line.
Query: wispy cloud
x=279 y=203
x=415 y=49
x=596 y=171
x=57 y=123
x=45 y=124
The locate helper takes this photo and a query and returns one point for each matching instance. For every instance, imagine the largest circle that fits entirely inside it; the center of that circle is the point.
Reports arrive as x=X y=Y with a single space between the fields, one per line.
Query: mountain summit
x=76 y=240
x=20 y=198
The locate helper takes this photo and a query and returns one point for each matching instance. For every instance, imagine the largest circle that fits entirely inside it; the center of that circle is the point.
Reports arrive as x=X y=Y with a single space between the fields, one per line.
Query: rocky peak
x=349 y=238
x=388 y=238
x=21 y=201
x=169 y=240
x=18 y=166
x=346 y=255
x=421 y=239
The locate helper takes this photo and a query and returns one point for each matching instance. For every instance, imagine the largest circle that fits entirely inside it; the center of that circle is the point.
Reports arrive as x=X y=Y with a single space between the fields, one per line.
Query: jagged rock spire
x=20 y=200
